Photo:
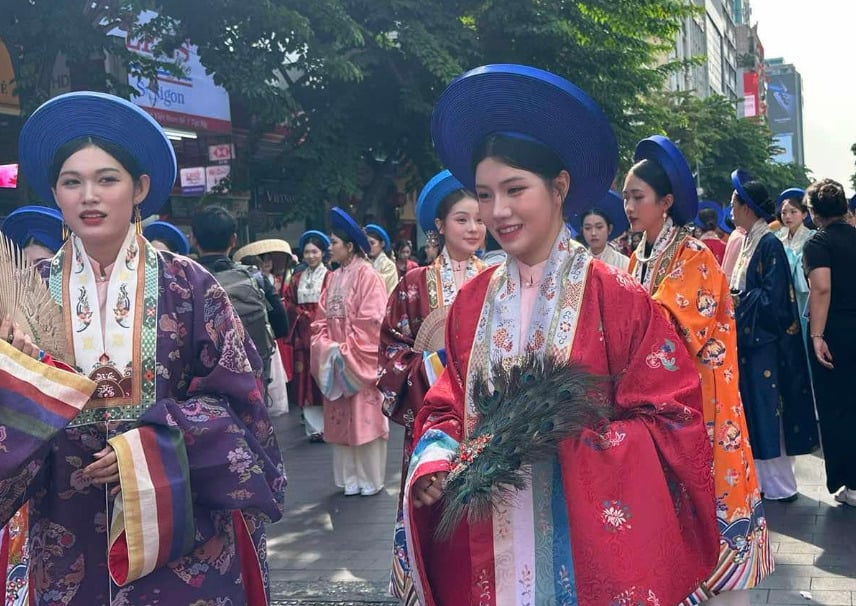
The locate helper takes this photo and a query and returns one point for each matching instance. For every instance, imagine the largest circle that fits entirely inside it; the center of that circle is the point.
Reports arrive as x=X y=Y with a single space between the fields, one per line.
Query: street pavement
x=335 y=550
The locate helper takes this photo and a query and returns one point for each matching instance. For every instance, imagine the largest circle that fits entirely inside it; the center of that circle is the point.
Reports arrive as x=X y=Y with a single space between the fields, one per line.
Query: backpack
x=249 y=301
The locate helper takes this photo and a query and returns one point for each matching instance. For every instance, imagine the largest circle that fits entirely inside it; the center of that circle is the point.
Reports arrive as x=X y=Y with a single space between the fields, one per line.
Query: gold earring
x=138 y=220
x=65 y=232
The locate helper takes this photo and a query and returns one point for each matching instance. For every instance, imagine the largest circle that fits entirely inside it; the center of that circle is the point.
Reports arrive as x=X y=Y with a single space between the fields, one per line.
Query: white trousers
x=777 y=477
x=360 y=469
x=313 y=420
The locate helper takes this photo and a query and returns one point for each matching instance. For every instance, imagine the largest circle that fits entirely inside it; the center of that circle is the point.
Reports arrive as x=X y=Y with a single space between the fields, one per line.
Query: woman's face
x=404 y=253
x=741 y=213
x=339 y=251
x=312 y=255
x=522 y=212
x=267 y=264
x=36 y=252
x=462 y=228
x=97 y=195
x=376 y=246
x=596 y=232
x=792 y=216
x=644 y=209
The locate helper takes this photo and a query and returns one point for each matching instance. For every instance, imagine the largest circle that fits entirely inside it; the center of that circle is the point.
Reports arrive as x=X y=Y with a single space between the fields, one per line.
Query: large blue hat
x=435 y=191
x=738 y=179
x=793 y=193
x=612 y=206
x=528 y=103
x=374 y=228
x=709 y=205
x=38 y=222
x=169 y=234
x=661 y=150
x=98 y=115
x=325 y=241
x=339 y=219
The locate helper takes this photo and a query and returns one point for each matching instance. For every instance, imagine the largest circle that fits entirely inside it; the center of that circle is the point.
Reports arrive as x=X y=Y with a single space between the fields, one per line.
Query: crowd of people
x=714 y=340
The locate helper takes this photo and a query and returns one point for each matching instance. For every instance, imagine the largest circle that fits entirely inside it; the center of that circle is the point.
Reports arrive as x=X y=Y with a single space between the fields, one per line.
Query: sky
x=816 y=36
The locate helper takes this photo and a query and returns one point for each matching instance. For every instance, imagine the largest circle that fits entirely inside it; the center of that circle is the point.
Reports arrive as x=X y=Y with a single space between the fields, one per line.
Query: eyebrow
x=100 y=171
x=506 y=181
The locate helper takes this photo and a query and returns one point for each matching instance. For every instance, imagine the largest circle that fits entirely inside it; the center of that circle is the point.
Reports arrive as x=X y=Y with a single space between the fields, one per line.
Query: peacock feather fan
x=525 y=411
x=26 y=298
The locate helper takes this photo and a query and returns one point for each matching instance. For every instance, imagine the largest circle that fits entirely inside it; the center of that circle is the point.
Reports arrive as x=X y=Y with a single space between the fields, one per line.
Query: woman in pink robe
x=345 y=337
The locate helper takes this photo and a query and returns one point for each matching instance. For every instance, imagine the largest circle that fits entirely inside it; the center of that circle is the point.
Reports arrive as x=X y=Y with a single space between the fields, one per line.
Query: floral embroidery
x=84 y=311
x=706 y=303
x=682 y=301
x=730 y=437
x=616 y=516
x=713 y=353
x=123 y=306
x=663 y=356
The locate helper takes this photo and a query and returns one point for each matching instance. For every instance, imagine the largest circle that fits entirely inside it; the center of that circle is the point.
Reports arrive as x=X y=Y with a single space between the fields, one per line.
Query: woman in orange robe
x=684 y=277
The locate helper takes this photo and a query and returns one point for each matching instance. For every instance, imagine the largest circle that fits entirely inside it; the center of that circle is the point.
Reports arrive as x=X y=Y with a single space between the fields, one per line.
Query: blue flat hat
x=39 y=222
x=661 y=150
x=789 y=194
x=169 y=234
x=709 y=205
x=339 y=219
x=325 y=241
x=612 y=206
x=380 y=231
x=98 y=115
x=793 y=193
x=435 y=191
x=526 y=102
x=738 y=178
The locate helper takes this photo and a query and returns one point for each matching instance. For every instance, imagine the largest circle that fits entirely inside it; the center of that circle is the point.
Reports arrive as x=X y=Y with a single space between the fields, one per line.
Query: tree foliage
x=354 y=81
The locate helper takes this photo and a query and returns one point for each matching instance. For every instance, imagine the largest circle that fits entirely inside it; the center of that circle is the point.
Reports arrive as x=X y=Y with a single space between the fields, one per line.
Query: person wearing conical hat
x=600 y=225
x=343 y=355
x=621 y=509
x=379 y=255
x=774 y=379
x=411 y=351
x=172 y=462
x=301 y=302
x=683 y=276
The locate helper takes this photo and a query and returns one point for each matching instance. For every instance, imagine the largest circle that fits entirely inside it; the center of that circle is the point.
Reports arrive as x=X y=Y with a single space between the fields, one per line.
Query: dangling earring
x=65 y=232
x=138 y=220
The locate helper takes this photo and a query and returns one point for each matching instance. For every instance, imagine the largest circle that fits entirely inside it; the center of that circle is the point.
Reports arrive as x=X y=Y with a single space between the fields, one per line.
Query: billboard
x=784 y=112
x=193 y=102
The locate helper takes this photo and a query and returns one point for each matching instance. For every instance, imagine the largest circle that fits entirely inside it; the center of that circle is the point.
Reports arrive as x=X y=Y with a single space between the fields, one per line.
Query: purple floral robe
x=207 y=385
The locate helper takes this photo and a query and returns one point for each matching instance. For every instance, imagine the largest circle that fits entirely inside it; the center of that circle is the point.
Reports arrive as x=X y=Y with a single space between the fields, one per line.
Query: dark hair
x=253 y=260
x=654 y=175
x=756 y=190
x=403 y=244
x=516 y=152
x=34 y=241
x=709 y=219
x=120 y=154
x=599 y=213
x=826 y=198
x=344 y=237
x=213 y=228
x=316 y=241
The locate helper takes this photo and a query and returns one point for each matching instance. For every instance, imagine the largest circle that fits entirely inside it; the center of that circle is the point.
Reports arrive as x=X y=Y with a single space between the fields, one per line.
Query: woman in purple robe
x=152 y=468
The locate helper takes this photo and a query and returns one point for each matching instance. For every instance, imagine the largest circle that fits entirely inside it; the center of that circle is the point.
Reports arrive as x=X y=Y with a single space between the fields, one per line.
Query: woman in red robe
x=301 y=302
x=624 y=512
x=415 y=324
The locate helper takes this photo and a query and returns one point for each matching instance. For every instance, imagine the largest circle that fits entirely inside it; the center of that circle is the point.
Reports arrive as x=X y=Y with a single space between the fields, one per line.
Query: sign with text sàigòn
x=191 y=102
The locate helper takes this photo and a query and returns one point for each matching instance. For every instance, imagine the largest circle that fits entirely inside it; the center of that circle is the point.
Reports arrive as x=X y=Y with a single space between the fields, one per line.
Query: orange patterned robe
x=684 y=277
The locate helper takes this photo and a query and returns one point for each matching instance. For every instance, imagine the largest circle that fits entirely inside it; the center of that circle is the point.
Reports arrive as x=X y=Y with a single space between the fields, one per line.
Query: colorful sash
x=440 y=279
x=153 y=514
